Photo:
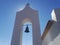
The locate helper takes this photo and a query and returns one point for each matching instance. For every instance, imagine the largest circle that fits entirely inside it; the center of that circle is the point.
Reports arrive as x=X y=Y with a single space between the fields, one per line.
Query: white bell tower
x=27 y=14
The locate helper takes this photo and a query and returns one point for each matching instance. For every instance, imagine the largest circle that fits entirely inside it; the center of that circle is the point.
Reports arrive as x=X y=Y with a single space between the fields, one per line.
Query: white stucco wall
x=53 y=34
x=56 y=41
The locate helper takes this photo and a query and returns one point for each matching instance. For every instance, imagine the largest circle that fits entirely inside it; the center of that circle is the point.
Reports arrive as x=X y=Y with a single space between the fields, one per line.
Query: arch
x=26 y=20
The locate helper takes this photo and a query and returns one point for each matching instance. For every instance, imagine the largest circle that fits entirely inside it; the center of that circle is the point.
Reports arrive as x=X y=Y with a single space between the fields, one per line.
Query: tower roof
x=27 y=8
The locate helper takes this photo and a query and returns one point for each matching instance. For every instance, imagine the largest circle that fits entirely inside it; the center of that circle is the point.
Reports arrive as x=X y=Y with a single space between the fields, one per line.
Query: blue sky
x=8 y=9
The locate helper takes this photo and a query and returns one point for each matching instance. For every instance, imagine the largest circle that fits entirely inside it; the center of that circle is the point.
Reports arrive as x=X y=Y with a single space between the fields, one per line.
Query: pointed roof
x=27 y=8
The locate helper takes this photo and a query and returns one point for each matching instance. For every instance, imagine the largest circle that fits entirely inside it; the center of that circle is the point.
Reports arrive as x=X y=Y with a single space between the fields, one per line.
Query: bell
x=27 y=29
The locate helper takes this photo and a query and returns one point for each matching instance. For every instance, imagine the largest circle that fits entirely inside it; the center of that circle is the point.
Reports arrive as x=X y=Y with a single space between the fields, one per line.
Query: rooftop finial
x=27 y=4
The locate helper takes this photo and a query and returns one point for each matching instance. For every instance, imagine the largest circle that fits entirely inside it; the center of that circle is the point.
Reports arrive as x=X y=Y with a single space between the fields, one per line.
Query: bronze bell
x=27 y=29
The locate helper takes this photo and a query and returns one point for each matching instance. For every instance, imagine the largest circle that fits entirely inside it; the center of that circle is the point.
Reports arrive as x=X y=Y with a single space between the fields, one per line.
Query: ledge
x=48 y=26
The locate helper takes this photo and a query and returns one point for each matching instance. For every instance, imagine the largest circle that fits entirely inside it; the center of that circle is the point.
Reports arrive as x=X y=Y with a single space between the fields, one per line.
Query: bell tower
x=27 y=14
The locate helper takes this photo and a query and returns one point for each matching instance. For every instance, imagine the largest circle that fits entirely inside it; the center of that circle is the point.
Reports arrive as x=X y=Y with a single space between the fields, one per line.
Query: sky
x=8 y=9
x=27 y=38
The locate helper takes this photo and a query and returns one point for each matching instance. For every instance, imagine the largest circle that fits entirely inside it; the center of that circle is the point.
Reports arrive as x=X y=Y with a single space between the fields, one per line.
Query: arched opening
x=27 y=38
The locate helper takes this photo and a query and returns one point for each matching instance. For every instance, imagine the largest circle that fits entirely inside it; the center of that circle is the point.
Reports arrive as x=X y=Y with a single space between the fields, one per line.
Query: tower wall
x=31 y=14
x=52 y=31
